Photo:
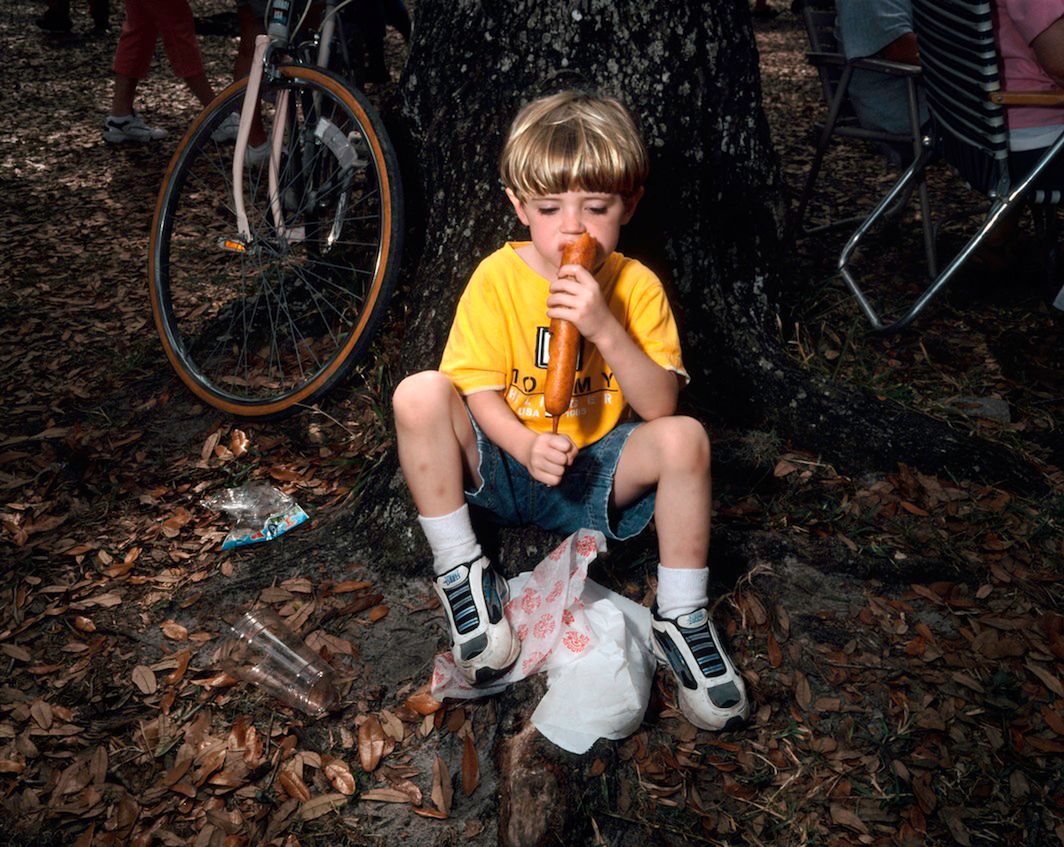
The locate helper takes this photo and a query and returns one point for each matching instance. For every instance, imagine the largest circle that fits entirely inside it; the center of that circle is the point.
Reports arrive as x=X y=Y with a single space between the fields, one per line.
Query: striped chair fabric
x=960 y=65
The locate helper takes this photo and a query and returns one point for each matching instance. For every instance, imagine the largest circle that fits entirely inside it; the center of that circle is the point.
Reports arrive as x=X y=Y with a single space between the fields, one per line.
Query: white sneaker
x=130 y=128
x=227 y=129
x=257 y=155
x=709 y=690
x=482 y=641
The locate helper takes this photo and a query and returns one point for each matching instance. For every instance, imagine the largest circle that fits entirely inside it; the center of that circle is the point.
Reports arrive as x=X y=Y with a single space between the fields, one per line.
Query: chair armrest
x=818 y=58
x=881 y=66
x=1049 y=97
x=887 y=66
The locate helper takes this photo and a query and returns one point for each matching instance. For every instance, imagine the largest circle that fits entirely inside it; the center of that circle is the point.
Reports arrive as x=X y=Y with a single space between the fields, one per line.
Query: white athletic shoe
x=709 y=690
x=130 y=128
x=227 y=129
x=482 y=641
x=255 y=156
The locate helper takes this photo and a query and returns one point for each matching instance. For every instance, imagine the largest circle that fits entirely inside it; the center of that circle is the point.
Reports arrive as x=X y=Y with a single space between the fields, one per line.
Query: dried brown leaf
x=802 y=693
x=393 y=727
x=423 y=703
x=783 y=468
x=321 y=805
x=98 y=765
x=208 y=446
x=385 y=795
x=17 y=653
x=442 y=789
x=378 y=612
x=775 y=655
x=238 y=442
x=339 y=774
x=427 y=812
x=470 y=767
x=41 y=712
x=844 y=817
x=252 y=747
x=293 y=785
x=144 y=679
x=351 y=585
x=1051 y=682
x=182 y=665
x=370 y=743
x=174 y=630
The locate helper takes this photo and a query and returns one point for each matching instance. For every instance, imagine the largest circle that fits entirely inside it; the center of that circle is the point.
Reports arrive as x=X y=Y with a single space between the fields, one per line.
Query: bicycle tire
x=197 y=286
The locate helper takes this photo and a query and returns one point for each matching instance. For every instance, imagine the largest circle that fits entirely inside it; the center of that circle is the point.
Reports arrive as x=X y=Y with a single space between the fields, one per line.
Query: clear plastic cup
x=261 y=649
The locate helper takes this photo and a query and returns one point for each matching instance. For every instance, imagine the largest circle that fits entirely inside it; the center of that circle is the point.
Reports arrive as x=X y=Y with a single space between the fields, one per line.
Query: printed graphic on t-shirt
x=543 y=349
x=525 y=392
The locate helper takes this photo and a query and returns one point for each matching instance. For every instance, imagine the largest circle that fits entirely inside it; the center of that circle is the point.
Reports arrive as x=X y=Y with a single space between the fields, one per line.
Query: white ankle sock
x=451 y=539
x=681 y=590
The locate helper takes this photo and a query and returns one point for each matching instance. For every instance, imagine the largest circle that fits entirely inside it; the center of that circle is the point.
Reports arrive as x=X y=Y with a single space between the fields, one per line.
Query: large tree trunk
x=709 y=224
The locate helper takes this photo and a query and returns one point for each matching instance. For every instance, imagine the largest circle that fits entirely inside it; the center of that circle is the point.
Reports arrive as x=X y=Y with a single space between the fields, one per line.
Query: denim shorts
x=580 y=501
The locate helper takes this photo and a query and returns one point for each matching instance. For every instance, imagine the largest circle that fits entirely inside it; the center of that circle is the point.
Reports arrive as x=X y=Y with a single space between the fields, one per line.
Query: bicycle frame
x=264 y=47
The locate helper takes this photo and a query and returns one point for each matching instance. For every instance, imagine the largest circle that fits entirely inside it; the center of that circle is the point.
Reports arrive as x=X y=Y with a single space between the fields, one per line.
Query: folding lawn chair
x=968 y=130
x=835 y=74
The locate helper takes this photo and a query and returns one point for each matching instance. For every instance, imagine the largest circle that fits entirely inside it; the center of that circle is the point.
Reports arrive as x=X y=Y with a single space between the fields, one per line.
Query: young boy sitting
x=476 y=430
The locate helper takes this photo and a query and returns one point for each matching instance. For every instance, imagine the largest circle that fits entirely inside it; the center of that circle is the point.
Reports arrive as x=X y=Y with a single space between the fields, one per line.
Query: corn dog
x=565 y=339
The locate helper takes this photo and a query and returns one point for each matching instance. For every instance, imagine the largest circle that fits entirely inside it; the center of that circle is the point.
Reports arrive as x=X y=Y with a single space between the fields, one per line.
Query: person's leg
x=251 y=25
x=673 y=455
x=133 y=55
x=56 y=17
x=250 y=16
x=100 y=11
x=125 y=90
x=177 y=27
x=436 y=444
x=136 y=44
x=438 y=453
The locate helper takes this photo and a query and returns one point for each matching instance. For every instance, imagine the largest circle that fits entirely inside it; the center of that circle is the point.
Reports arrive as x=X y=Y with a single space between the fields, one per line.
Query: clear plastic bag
x=259 y=512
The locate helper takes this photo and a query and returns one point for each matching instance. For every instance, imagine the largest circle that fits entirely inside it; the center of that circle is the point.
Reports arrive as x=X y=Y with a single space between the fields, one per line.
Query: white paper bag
x=594 y=644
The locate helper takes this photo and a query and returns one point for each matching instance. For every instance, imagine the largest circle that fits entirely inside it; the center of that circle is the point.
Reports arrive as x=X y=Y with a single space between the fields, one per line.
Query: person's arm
x=903 y=49
x=544 y=454
x=650 y=389
x=1048 y=48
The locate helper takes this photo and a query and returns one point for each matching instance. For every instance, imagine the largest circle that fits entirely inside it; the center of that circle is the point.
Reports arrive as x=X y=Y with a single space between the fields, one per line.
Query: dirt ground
x=901 y=633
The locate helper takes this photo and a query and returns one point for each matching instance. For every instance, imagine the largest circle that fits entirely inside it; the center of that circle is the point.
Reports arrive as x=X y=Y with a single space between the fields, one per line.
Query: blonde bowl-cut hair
x=573 y=141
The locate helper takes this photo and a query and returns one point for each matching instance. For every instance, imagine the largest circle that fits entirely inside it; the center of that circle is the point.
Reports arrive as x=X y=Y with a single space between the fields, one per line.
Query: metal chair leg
x=794 y=227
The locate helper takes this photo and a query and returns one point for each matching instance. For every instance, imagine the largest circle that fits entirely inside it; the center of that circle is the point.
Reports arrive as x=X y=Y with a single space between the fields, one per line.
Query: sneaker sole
x=122 y=138
x=484 y=675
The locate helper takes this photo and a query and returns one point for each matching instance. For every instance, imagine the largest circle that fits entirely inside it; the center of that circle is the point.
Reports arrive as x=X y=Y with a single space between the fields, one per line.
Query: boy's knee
x=422 y=396
x=685 y=443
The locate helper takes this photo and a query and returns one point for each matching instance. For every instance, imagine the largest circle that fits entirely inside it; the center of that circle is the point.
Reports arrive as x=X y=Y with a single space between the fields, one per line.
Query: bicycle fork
x=247 y=116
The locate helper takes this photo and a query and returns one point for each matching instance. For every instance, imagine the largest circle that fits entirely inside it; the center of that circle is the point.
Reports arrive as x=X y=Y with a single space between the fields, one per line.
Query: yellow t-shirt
x=500 y=335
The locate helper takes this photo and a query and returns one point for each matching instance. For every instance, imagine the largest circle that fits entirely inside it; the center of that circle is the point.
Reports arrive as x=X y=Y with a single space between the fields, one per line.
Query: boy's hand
x=575 y=296
x=549 y=456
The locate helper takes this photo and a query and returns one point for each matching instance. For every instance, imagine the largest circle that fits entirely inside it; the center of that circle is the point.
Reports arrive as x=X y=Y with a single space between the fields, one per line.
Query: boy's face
x=559 y=219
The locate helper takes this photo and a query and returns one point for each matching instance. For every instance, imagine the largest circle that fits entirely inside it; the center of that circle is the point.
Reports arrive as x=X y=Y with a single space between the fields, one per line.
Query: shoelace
x=704 y=649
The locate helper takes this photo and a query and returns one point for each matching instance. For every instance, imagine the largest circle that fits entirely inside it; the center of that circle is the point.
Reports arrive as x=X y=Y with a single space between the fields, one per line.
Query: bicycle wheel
x=259 y=328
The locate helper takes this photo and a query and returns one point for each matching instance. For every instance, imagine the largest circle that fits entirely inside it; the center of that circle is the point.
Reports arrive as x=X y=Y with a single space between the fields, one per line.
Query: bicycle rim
x=259 y=328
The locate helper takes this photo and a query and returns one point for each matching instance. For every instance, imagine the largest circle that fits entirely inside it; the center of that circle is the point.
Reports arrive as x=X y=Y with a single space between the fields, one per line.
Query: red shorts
x=145 y=21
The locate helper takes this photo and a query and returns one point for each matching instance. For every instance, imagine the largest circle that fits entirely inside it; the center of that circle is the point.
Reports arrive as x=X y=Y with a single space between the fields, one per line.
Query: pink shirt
x=1018 y=23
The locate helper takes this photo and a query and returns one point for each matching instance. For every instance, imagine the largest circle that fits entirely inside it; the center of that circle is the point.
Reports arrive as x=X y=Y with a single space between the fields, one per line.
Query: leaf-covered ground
x=901 y=633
